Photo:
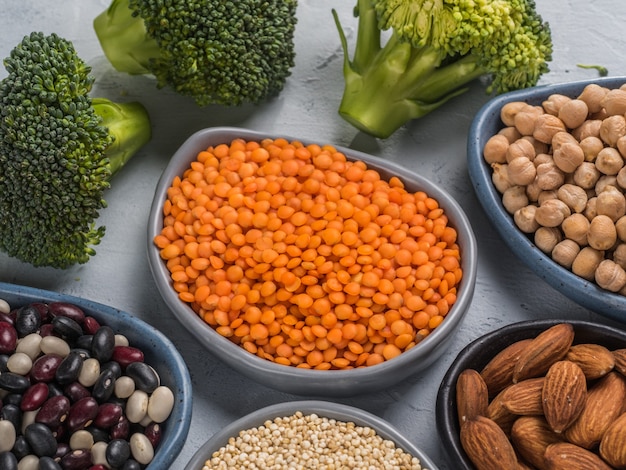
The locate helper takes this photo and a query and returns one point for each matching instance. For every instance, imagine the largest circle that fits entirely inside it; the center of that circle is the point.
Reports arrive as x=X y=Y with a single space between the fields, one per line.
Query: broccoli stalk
x=432 y=52
x=228 y=53
x=59 y=149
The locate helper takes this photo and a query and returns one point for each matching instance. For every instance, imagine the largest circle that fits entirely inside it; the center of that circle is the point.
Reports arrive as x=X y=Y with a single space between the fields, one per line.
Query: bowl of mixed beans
x=309 y=434
x=310 y=268
x=547 y=165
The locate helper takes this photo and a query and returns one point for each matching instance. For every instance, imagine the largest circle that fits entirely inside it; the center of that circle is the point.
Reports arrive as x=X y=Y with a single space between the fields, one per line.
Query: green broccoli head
x=433 y=51
x=217 y=52
x=58 y=151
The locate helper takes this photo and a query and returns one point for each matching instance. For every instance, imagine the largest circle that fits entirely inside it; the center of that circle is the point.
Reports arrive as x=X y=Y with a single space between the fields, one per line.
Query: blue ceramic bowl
x=328 y=383
x=478 y=353
x=159 y=352
x=324 y=409
x=486 y=123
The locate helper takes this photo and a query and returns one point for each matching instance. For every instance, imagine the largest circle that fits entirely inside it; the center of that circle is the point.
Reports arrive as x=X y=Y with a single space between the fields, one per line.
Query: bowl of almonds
x=544 y=394
x=548 y=166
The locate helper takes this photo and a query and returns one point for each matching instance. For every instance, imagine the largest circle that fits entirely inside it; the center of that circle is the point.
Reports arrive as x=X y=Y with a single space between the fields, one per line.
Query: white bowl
x=297 y=380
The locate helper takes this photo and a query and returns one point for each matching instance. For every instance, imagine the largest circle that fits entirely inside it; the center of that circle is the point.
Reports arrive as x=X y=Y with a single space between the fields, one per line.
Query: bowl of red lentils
x=547 y=165
x=85 y=385
x=307 y=267
x=309 y=434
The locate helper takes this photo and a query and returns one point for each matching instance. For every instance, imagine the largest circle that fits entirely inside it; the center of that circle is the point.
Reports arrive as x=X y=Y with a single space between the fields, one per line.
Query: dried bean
x=90 y=372
x=108 y=415
x=117 y=452
x=30 y=345
x=126 y=355
x=76 y=391
x=154 y=432
x=141 y=448
x=28 y=417
x=137 y=406
x=8 y=434
x=76 y=460
x=4 y=359
x=34 y=397
x=99 y=434
x=48 y=463
x=67 y=328
x=98 y=455
x=120 y=430
x=27 y=321
x=13 y=382
x=145 y=377
x=8 y=461
x=90 y=325
x=8 y=338
x=124 y=387
x=70 y=368
x=131 y=465
x=19 y=363
x=29 y=462
x=41 y=439
x=54 y=345
x=46 y=330
x=53 y=411
x=62 y=449
x=65 y=309
x=84 y=342
x=45 y=367
x=121 y=340
x=104 y=386
x=81 y=439
x=21 y=448
x=160 y=404
x=13 y=414
x=82 y=413
x=103 y=343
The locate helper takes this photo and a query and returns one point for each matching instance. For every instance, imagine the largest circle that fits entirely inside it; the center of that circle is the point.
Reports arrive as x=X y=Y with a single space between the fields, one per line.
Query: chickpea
x=612 y=128
x=602 y=233
x=495 y=149
x=589 y=128
x=620 y=178
x=549 y=176
x=525 y=121
x=522 y=171
x=574 y=196
x=514 y=198
x=510 y=110
x=586 y=262
x=520 y=148
x=561 y=138
x=620 y=227
x=614 y=102
x=568 y=157
x=573 y=113
x=576 y=227
x=591 y=147
x=524 y=218
x=587 y=175
x=612 y=203
x=533 y=191
x=547 y=195
x=609 y=161
x=546 y=125
x=593 y=95
x=619 y=255
x=552 y=213
x=554 y=103
x=546 y=238
x=610 y=276
x=621 y=146
x=605 y=181
x=500 y=177
x=511 y=134
x=540 y=147
x=565 y=252
x=543 y=158
x=590 y=209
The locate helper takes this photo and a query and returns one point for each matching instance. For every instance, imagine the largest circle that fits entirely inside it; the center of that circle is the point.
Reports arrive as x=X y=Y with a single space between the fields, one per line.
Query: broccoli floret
x=432 y=51
x=218 y=52
x=58 y=151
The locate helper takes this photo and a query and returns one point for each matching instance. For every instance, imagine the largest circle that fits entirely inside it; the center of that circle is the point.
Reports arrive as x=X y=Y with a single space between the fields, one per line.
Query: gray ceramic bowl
x=292 y=379
x=487 y=123
x=159 y=352
x=325 y=409
x=478 y=353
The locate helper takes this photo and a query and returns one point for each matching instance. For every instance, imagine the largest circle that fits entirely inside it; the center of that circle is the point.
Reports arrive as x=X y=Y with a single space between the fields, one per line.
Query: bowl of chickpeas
x=310 y=434
x=547 y=165
x=307 y=267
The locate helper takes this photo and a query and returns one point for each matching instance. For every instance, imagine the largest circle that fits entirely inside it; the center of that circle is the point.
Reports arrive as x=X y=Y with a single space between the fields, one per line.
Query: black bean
x=48 y=463
x=69 y=369
x=67 y=328
x=104 y=386
x=131 y=465
x=117 y=452
x=84 y=342
x=4 y=359
x=14 y=383
x=99 y=434
x=62 y=449
x=8 y=461
x=113 y=366
x=41 y=439
x=21 y=448
x=27 y=321
x=103 y=343
x=146 y=379
x=12 y=413
x=12 y=398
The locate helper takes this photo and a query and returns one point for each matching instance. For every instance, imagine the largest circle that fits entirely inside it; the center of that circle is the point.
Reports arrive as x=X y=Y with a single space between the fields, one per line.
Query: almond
x=594 y=359
x=620 y=361
x=605 y=402
x=531 y=436
x=545 y=349
x=567 y=456
x=472 y=398
x=497 y=412
x=564 y=394
x=613 y=443
x=486 y=445
x=524 y=398
x=498 y=373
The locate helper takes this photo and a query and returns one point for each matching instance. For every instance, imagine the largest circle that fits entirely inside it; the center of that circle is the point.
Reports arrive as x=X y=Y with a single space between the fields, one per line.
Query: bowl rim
x=241 y=359
x=167 y=452
x=583 y=292
x=322 y=408
x=494 y=341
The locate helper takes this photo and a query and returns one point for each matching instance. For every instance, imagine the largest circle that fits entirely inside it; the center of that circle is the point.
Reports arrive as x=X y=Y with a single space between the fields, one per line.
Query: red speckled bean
x=82 y=413
x=126 y=355
x=76 y=460
x=154 y=433
x=8 y=338
x=65 y=309
x=75 y=391
x=120 y=430
x=34 y=397
x=45 y=367
x=90 y=325
x=108 y=415
x=53 y=411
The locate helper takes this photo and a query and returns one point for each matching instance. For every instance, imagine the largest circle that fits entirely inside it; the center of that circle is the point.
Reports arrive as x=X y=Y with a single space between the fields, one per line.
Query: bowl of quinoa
x=310 y=268
x=309 y=434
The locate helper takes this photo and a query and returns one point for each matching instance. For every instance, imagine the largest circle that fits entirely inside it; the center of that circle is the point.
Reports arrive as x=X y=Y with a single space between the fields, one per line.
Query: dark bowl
x=158 y=351
x=325 y=409
x=480 y=351
x=330 y=383
x=486 y=123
